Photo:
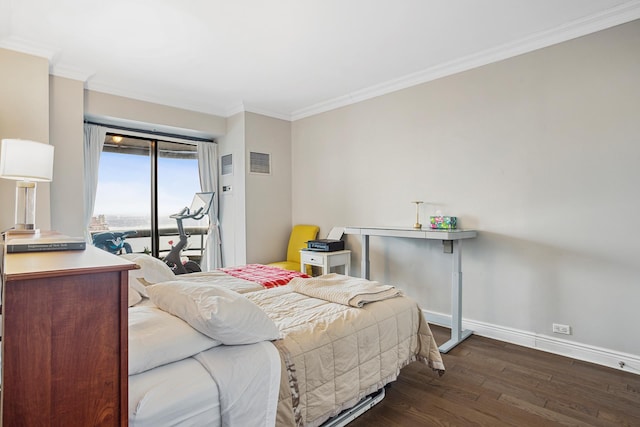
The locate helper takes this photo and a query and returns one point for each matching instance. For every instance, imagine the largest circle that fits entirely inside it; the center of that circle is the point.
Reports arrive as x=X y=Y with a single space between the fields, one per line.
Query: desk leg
x=457 y=334
x=364 y=269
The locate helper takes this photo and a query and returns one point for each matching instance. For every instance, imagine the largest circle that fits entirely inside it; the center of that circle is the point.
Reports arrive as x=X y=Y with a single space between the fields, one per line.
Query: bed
x=295 y=354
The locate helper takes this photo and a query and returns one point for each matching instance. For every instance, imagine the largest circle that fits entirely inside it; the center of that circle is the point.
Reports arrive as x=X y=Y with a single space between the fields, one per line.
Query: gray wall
x=256 y=214
x=24 y=114
x=268 y=197
x=539 y=153
x=67 y=193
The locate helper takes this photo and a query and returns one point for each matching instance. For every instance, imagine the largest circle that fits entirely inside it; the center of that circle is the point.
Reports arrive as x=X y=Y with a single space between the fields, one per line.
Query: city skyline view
x=123 y=194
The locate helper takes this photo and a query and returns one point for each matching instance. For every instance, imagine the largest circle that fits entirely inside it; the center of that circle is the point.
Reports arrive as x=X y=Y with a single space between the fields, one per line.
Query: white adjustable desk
x=451 y=240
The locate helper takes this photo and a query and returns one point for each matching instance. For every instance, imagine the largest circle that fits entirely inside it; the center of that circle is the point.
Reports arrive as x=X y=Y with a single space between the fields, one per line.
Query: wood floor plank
x=508 y=413
x=624 y=391
x=504 y=387
x=619 y=418
x=544 y=413
x=588 y=396
x=461 y=414
x=492 y=383
x=577 y=413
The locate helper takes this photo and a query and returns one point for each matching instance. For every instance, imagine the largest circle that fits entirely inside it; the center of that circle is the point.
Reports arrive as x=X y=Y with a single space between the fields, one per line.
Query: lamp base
x=24 y=231
x=25 y=206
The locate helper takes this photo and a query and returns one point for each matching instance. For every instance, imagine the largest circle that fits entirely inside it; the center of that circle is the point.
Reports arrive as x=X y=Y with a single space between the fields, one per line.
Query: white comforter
x=246 y=377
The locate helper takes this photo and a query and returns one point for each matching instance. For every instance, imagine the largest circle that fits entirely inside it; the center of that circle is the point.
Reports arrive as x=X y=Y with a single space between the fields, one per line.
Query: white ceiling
x=286 y=58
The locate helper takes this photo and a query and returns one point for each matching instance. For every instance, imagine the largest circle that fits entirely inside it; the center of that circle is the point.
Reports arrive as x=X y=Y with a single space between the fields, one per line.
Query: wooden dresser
x=64 y=339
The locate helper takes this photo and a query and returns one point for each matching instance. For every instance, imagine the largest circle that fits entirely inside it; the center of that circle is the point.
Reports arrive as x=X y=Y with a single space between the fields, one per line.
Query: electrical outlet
x=561 y=329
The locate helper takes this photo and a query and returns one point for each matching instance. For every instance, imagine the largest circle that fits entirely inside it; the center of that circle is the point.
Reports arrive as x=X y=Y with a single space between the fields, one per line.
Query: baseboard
x=588 y=353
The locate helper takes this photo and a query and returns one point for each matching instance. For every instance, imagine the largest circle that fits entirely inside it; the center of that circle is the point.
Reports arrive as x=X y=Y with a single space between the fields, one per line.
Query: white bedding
x=248 y=379
x=192 y=380
x=157 y=338
x=334 y=368
x=178 y=394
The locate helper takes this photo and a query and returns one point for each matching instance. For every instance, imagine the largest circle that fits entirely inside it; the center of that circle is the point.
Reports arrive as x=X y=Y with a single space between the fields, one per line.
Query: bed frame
x=348 y=415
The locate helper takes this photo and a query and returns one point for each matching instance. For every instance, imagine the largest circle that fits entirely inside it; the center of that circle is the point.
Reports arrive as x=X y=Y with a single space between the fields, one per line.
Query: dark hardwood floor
x=492 y=383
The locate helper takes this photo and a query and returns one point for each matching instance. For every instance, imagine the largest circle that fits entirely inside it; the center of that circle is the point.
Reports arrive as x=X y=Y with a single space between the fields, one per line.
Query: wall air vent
x=260 y=163
x=226 y=164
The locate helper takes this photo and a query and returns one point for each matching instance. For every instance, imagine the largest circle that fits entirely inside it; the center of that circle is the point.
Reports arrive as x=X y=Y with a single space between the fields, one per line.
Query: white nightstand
x=326 y=260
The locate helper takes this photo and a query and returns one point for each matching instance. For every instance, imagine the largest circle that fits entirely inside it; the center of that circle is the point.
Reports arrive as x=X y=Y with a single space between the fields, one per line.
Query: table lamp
x=417 y=225
x=26 y=162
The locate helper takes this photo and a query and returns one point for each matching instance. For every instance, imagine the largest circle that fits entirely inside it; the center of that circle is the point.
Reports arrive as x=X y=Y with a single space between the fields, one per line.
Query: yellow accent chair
x=300 y=235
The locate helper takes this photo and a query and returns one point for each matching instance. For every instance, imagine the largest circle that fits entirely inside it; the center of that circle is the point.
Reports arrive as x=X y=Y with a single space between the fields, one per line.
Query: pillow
x=134 y=297
x=152 y=270
x=216 y=312
x=157 y=338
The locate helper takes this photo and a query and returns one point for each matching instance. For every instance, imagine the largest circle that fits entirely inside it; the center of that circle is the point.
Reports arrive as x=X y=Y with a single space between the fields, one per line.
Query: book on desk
x=43 y=242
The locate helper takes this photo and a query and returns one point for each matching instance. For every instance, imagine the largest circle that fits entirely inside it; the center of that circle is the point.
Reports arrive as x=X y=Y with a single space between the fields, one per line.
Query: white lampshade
x=25 y=160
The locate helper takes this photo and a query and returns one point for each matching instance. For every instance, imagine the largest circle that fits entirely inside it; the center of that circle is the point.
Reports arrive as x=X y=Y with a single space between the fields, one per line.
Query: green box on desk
x=444 y=222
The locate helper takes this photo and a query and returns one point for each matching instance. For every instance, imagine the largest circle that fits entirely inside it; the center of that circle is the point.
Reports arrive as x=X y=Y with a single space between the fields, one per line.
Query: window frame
x=153 y=151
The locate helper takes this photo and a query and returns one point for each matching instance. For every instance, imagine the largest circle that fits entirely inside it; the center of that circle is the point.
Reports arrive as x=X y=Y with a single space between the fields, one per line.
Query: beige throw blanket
x=344 y=290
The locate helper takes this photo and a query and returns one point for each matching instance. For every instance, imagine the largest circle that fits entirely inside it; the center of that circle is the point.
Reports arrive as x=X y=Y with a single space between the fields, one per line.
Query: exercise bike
x=199 y=208
x=113 y=241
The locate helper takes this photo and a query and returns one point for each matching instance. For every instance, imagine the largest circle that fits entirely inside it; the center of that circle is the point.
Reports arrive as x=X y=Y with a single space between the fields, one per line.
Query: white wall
x=232 y=215
x=539 y=153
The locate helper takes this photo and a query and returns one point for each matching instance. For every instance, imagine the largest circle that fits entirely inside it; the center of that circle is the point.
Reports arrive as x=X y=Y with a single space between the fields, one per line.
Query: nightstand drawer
x=312 y=259
x=325 y=260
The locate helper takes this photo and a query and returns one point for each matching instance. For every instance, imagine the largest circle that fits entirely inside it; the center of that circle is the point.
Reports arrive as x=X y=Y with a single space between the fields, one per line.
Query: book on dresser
x=43 y=242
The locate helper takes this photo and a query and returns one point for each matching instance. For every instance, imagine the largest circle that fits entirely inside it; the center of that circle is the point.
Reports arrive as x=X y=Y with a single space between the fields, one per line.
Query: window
x=141 y=183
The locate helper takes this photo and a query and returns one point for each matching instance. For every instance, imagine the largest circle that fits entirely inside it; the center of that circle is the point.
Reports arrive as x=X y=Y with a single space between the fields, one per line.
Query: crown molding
x=30 y=48
x=243 y=108
x=268 y=113
x=626 y=12
x=68 y=72
x=235 y=110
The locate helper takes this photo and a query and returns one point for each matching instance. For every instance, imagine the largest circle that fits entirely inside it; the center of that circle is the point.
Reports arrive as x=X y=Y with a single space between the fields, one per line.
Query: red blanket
x=267 y=276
